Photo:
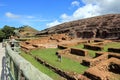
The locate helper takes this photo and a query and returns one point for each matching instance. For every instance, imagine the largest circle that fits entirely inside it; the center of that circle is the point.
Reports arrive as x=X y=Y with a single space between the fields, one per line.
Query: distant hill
x=105 y=26
x=27 y=31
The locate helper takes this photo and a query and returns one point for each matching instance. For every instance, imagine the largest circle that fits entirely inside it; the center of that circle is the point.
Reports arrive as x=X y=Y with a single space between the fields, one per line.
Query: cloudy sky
x=42 y=14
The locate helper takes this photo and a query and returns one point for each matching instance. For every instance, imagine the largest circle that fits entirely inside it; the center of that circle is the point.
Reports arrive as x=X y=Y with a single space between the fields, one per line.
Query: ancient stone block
x=93 y=47
x=101 y=71
x=115 y=55
x=86 y=62
x=65 y=51
x=80 y=52
x=62 y=47
x=106 y=26
x=97 y=54
x=116 y=50
x=115 y=68
x=98 y=60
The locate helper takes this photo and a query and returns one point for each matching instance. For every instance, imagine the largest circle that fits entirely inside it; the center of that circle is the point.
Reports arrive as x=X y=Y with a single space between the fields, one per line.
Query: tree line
x=6 y=32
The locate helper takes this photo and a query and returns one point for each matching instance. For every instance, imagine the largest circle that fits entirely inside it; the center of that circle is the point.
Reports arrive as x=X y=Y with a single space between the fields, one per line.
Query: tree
x=8 y=31
x=2 y=35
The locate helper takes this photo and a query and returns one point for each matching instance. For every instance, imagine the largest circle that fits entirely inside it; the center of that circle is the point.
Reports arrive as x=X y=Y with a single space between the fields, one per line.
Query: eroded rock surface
x=106 y=26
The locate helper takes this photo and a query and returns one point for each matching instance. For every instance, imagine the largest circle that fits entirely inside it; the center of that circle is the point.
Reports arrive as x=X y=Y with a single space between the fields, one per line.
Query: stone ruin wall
x=93 y=47
x=116 y=50
x=79 y=52
x=107 y=26
x=112 y=33
x=104 y=70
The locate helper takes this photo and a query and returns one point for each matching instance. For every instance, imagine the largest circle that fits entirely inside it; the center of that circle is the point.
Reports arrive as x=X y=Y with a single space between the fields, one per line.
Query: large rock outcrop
x=106 y=26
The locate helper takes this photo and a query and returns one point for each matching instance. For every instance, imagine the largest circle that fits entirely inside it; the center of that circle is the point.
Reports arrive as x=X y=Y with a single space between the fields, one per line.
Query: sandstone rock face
x=106 y=26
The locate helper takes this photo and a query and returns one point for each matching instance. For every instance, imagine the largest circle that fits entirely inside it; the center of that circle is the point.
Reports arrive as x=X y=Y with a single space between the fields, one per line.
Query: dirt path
x=2 y=60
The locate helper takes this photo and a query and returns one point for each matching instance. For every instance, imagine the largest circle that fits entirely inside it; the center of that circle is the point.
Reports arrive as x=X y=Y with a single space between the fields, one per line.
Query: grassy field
x=41 y=67
x=91 y=52
x=106 y=46
x=79 y=46
x=66 y=64
x=112 y=44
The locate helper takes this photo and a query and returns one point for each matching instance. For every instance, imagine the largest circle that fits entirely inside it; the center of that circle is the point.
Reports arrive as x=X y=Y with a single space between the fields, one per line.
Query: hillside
x=106 y=26
x=27 y=31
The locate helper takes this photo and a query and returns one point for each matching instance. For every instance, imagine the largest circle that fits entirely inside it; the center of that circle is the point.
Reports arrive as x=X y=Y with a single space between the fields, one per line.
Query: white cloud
x=65 y=17
x=107 y=6
x=90 y=9
x=24 y=19
x=95 y=8
x=86 y=11
x=16 y=16
x=56 y=22
x=11 y=15
x=82 y=12
x=75 y=3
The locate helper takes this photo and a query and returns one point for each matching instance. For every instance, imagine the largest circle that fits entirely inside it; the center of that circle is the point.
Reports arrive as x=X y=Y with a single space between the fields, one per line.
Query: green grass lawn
x=81 y=46
x=66 y=64
x=41 y=67
x=112 y=44
x=106 y=46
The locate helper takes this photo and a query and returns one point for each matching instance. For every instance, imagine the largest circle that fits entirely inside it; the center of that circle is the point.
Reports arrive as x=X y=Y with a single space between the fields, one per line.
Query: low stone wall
x=57 y=70
x=65 y=51
x=103 y=70
x=116 y=50
x=62 y=47
x=35 y=45
x=26 y=42
x=97 y=40
x=70 y=43
x=86 y=62
x=39 y=46
x=80 y=52
x=114 y=67
x=91 y=76
x=97 y=54
x=93 y=47
x=98 y=60
x=98 y=43
x=115 y=55
x=93 y=62
x=82 y=77
x=27 y=47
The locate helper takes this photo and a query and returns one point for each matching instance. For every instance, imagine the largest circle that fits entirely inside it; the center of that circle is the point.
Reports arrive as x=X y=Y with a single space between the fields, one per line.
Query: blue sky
x=41 y=14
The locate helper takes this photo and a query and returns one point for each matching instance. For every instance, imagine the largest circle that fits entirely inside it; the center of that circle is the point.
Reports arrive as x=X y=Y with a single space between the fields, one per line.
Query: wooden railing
x=20 y=69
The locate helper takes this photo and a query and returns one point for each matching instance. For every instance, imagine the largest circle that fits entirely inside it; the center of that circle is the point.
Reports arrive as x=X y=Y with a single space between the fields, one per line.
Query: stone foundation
x=80 y=52
x=93 y=47
x=115 y=55
x=116 y=50
x=97 y=54
x=101 y=71
x=98 y=60
x=57 y=70
x=62 y=47
x=114 y=67
x=65 y=51
x=93 y=62
x=86 y=62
